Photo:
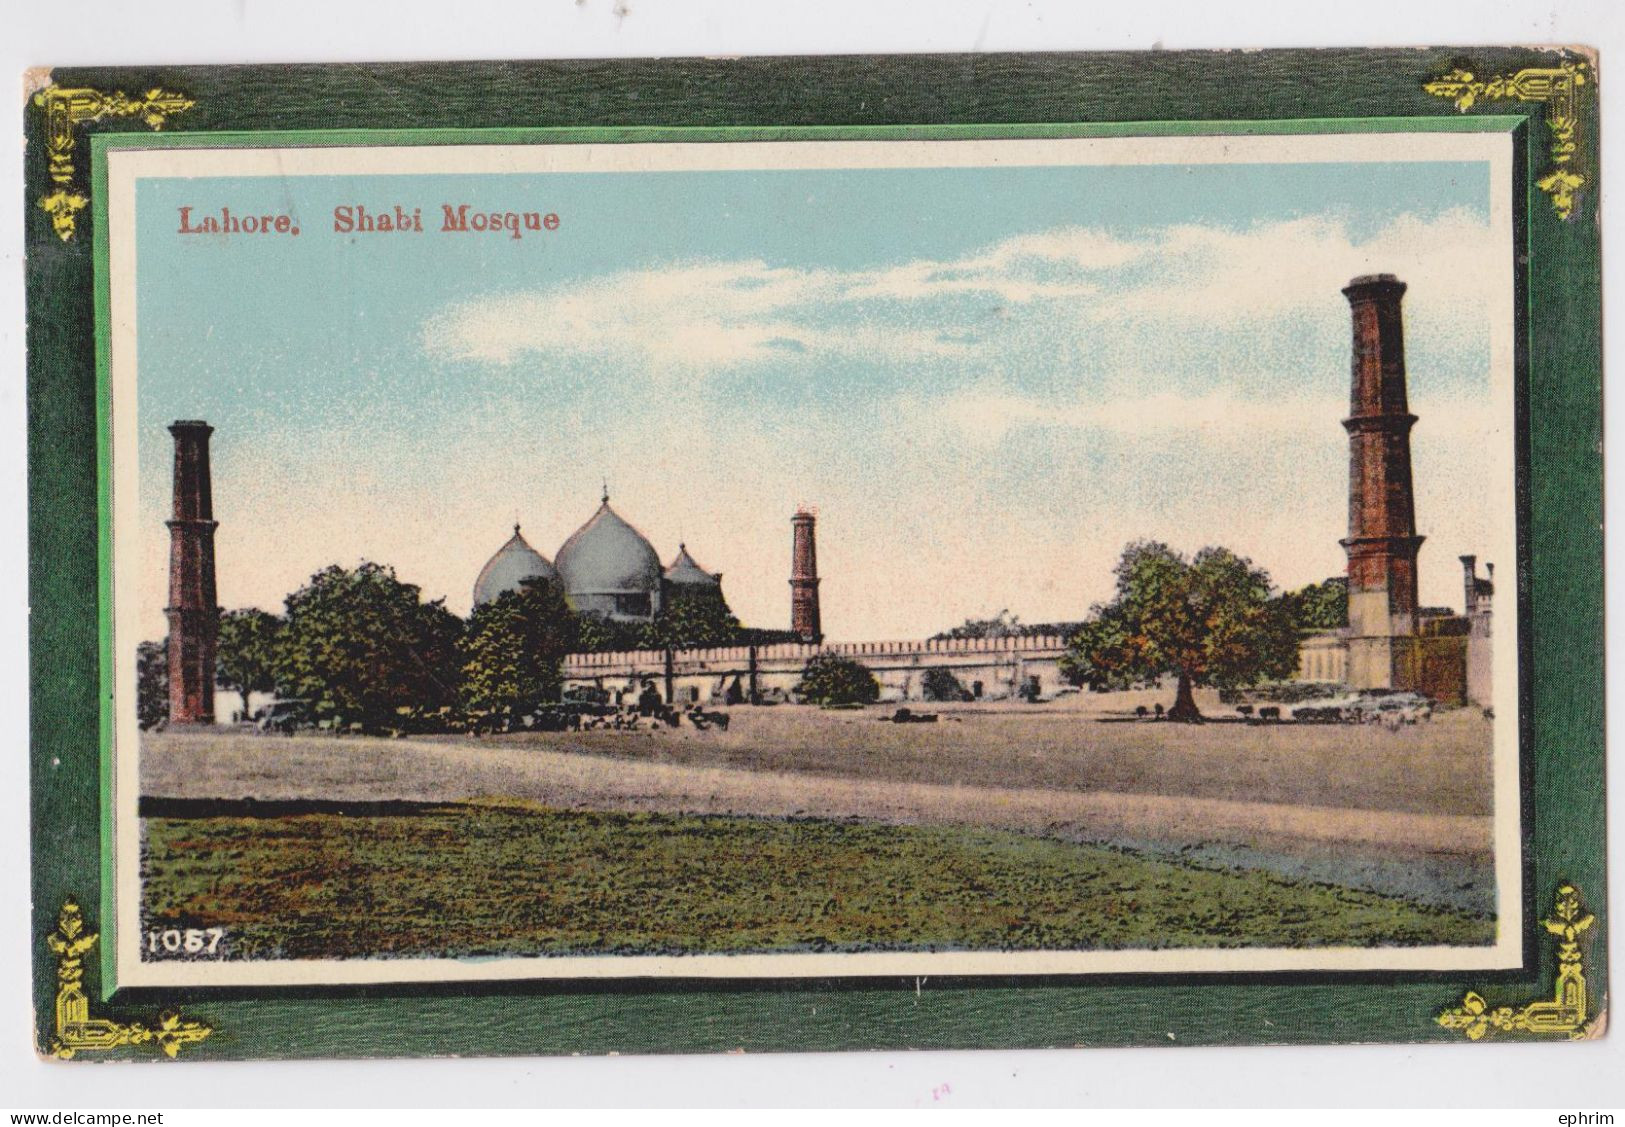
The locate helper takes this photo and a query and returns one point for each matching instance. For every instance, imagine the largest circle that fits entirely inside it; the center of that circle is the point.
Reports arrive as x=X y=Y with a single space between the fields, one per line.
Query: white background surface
x=1579 y=1076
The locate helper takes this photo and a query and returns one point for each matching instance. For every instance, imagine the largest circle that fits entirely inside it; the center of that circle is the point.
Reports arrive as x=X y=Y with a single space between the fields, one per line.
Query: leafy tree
x=1319 y=606
x=364 y=648
x=692 y=618
x=598 y=633
x=512 y=653
x=1102 y=654
x=152 y=684
x=1002 y=625
x=1207 y=621
x=831 y=679
x=245 y=660
x=764 y=636
x=941 y=684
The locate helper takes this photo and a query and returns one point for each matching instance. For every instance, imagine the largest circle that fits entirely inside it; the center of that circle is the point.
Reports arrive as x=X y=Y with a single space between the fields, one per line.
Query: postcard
x=686 y=580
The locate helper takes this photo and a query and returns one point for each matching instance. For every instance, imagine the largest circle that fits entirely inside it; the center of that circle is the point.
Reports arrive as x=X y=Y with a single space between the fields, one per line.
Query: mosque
x=606 y=567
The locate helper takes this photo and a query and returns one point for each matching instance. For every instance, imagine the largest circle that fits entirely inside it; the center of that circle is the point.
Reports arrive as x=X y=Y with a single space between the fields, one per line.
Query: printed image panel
x=776 y=558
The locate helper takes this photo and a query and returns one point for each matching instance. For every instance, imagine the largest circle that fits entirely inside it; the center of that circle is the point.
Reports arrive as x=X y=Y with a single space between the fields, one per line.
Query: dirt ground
x=1424 y=790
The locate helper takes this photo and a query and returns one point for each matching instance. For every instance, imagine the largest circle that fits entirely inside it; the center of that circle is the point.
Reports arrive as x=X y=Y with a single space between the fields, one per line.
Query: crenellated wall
x=997 y=667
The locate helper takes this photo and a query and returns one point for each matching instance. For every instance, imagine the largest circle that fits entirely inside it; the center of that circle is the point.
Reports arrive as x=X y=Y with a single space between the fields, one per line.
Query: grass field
x=504 y=880
x=1440 y=767
x=798 y=829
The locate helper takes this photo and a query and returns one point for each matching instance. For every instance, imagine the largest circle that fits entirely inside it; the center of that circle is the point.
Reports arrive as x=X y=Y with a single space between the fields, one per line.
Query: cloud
x=1041 y=290
x=678 y=317
x=987 y=415
x=1217 y=275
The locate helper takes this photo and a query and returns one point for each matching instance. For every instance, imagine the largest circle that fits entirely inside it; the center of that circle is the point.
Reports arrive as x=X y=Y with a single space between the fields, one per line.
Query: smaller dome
x=515 y=562
x=684 y=571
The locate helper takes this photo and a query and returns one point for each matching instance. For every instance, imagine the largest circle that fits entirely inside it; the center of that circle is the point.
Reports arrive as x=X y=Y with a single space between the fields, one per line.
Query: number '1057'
x=190 y=941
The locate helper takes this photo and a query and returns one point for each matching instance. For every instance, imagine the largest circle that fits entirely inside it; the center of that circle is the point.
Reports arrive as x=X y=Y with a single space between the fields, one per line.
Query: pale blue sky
x=986 y=379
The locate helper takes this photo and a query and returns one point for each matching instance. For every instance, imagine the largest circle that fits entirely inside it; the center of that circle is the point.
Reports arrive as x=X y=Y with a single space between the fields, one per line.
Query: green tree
x=598 y=633
x=245 y=660
x=1002 y=625
x=152 y=684
x=1207 y=621
x=512 y=653
x=831 y=679
x=763 y=636
x=365 y=649
x=1319 y=606
x=941 y=684
x=692 y=618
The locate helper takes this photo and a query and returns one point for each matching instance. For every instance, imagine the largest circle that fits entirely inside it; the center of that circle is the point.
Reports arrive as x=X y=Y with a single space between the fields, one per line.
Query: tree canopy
x=692 y=618
x=831 y=679
x=1209 y=620
x=598 y=633
x=245 y=658
x=511 y=655
x=152 y=684
x=1002 y=625
x=940 y=684
x=1319 y=606
x=364 y=649
x=687 y=619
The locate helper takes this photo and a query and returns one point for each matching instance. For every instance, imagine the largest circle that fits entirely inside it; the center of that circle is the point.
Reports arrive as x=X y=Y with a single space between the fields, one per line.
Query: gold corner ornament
x=76 y=1030
x=1566 y=1013
x=1558 y=87
x=68 y=107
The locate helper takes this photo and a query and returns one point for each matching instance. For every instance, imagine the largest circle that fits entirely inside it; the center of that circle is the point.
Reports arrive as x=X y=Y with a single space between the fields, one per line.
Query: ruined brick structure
x=1382 y=543
x=804 y=619
x=193 y=611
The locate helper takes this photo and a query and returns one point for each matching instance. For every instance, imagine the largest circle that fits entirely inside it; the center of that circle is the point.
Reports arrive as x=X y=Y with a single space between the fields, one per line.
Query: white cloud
x=1061 y=283
x=986 y=415
x=1213 y=275
x=689 y=316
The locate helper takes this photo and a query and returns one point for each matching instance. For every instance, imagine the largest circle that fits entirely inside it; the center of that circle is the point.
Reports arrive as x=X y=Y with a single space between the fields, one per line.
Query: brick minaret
x=194 y=615
x=1382 y=541
x=804 y=579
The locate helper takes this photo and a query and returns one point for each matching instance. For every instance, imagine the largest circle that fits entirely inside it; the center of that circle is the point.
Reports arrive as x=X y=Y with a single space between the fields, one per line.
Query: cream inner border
x=126 y=166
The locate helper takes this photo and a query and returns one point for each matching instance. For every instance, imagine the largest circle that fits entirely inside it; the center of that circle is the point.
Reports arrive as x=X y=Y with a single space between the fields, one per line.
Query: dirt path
x=235 y=766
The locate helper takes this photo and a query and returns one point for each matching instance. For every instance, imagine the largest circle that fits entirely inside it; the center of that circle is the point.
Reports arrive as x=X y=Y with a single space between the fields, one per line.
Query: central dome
x=610 y=568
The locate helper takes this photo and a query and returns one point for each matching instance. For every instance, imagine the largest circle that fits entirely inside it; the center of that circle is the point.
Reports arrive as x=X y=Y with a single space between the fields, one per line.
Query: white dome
x=608 y=556
x=515 y=562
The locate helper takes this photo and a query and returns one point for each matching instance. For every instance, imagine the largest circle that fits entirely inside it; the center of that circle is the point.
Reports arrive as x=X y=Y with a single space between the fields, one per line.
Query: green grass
x=485 y=880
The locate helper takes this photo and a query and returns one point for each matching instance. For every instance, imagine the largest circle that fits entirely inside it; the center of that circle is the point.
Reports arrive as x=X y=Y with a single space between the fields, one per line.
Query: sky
x=985 y=380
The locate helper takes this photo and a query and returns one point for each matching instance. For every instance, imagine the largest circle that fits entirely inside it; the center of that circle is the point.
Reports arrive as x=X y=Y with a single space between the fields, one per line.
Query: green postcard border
x=1163 y=93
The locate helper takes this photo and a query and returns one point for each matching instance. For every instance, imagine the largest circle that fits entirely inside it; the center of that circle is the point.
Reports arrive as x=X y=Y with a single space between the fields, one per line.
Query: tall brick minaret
x=804 y=579
x=1382 y=541
x=194 y=615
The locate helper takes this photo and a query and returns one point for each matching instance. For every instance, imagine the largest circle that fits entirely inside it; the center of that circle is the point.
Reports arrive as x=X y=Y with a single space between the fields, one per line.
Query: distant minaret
x=804 y=618
x=194 y=615
x=1382 y=541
